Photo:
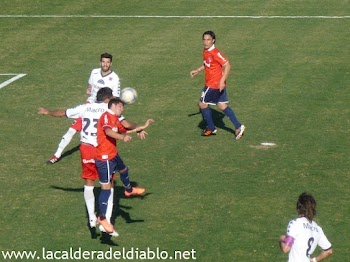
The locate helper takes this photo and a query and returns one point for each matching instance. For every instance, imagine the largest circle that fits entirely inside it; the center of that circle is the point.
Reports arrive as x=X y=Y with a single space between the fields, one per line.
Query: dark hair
x=306 y=206
x=211 y=33
x=106 y=55
x=114 y=101
x=103 y=94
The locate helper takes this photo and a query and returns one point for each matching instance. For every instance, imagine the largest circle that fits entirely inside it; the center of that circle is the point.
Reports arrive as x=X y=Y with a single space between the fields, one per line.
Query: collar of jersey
x=110 y=111
x=211 y=48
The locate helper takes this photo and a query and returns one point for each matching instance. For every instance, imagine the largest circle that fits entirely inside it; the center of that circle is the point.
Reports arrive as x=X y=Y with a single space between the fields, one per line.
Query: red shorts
x=88 y=154
x=77 y=124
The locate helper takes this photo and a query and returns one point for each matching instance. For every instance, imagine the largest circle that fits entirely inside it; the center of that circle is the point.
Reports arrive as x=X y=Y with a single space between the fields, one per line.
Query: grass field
x=227 y=200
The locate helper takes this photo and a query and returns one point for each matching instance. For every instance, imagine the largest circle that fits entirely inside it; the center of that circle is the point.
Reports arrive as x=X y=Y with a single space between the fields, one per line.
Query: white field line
x=181 y=16
x=7 y=82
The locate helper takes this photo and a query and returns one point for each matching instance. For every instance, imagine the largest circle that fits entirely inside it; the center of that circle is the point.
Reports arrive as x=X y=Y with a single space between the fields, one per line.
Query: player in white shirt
x=90 y=114
x=99 y=77
x=304 y=234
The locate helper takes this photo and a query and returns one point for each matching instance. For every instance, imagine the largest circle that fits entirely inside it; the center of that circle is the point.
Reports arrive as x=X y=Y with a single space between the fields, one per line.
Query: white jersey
x=306 y=238
x=97 y=81
x=90 y=114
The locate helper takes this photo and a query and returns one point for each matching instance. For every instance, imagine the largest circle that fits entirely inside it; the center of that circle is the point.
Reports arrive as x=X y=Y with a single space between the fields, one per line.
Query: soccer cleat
x=136 y=191
x=53 y=160
x=113 y=234
x=108 y=228
x=208 y=132
x=239 y=132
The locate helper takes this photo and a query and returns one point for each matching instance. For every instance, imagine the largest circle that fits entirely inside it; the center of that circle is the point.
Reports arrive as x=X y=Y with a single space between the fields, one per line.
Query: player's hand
x=88 y=90
x=127 y=138
x=43 y=111
x=142 y=134
x=193 y=73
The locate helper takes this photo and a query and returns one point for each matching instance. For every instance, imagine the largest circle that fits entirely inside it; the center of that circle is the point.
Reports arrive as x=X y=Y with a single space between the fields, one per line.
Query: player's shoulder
x=96 y=71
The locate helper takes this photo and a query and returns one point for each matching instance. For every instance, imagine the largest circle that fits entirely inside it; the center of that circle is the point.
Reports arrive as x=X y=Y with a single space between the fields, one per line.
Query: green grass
x=229 y=200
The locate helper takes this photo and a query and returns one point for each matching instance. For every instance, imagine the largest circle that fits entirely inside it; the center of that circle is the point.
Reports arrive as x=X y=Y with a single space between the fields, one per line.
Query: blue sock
x=231 y=115
x=103 y=201
x=124 y=177
x=206 y=112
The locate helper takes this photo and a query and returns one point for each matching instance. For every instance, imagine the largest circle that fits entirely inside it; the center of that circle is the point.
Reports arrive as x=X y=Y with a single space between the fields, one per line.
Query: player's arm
x=56 y=113
x=88 y=89
x=109 y=132
x=324 y=254
x=225 y=72
x=196 y=71
x=286 y=243
x=141 y=128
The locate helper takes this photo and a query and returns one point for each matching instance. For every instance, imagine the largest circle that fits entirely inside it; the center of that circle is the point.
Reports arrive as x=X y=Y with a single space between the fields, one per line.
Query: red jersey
x=213 y=62
x=107 y=146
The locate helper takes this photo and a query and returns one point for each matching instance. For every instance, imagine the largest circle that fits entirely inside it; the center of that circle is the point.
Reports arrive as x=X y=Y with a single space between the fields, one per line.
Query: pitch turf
x=228 y=200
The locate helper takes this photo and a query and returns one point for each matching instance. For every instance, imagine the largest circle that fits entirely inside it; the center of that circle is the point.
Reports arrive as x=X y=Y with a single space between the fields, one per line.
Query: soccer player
x=217 y=68
x=90 y=113
x=304 y=234
x=108 y=160
x=99 y=77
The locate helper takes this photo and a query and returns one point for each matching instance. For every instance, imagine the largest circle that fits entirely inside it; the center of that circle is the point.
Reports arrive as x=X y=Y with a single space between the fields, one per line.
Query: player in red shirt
x=217 y=68
x=108 y=160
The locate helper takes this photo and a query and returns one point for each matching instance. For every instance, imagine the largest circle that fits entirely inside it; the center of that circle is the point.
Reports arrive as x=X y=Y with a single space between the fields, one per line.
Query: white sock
x=110 y=206
x=67 y=137
x=90 y=201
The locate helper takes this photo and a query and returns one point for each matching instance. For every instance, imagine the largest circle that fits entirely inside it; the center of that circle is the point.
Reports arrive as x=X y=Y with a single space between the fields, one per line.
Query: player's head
x=116 y=105
x=106 y=55
x=106 y=62
x=306 y=206
x=103 y=94
x=209 y=39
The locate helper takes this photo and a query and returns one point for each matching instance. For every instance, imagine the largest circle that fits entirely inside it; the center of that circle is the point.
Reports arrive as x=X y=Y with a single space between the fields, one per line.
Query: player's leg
x=105 y=175
x=228 y=111
x=124 y=177
x=109 y=210
x=67 y=137
x=207 y=98
x=89 y=174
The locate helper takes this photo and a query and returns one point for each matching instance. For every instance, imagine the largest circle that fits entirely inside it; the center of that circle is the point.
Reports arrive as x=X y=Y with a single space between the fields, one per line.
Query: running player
x=217 y=68
x=99 y=77
x=304 y=234
x=108 y=160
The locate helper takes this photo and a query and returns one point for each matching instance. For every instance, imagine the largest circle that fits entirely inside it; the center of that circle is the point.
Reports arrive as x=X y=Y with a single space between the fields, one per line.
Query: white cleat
x=113 y=234
x=240 y=133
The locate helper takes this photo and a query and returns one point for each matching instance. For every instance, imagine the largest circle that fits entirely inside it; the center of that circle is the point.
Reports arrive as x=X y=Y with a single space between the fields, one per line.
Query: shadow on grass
x=118 y=209
x=217 y=119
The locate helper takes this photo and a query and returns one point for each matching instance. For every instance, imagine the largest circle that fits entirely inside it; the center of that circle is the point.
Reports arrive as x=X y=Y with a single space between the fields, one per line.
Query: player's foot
x=136 y=191
x=239 y=132
x=53 y=160
x=208 y=132
x=108 y=228
x=113 y=234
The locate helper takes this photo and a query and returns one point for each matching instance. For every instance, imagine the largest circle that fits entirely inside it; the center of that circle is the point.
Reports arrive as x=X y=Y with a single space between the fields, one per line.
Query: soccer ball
x=128 y=95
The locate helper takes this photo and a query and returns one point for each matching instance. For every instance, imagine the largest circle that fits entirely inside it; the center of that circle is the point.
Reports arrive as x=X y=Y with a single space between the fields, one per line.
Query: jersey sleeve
x=121 y=128
x=76 y=112
x=324 y=243
x=220 y=58
x=292 y=229
x=116 y=87
x=106 y=121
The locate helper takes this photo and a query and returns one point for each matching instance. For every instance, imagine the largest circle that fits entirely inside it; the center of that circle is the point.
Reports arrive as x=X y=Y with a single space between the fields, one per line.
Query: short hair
x=115 y=101
x=306 y=206
x=103 y=94
x=106 y=55
x=211 y=33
